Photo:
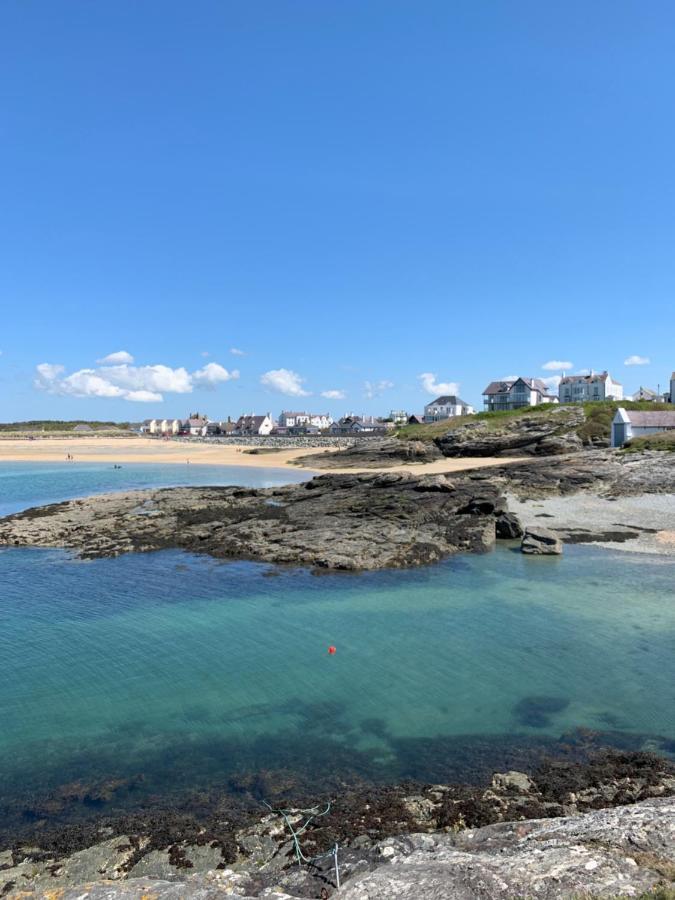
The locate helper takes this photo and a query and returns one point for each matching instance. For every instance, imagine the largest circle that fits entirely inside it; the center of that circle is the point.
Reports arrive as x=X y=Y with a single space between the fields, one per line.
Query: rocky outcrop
x=374 y=454
x=619 y=852
x=350 y=522
x=550 y=434
x=608 y=473
x=541 y=542
x=608 y=853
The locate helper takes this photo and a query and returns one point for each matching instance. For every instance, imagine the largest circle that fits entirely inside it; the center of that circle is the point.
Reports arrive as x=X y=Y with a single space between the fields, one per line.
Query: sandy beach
x=148 y=450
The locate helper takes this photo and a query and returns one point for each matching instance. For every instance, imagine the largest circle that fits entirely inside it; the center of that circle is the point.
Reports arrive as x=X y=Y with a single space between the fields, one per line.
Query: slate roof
x=500 y=387
x=449 y=400
x=655 y=419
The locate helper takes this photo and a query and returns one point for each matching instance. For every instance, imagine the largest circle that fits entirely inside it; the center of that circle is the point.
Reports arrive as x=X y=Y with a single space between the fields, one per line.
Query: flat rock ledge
x=620 y=852
x=343 y=522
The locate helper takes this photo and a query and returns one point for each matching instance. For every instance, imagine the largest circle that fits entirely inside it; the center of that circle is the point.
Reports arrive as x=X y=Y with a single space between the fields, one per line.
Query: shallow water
x=190 y=672
x=24 y=484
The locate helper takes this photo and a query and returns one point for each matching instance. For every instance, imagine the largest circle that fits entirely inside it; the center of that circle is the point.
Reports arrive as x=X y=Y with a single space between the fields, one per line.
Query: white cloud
x=583 y=372
x=205 y=353
x=114 y=359
x=374 y=389
x=333 y=395
x=284 y=381
x=213 y=374
x=557 y=365
x=637 y=361
x=235 y=351
x=553 y=382
x=139 y=384
x=431 y=386
x=510 y=378
x=156 y=378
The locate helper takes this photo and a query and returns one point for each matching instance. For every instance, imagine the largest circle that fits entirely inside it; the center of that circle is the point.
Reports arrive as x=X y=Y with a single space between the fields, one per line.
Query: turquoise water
x=27 y=484
x=190 y=673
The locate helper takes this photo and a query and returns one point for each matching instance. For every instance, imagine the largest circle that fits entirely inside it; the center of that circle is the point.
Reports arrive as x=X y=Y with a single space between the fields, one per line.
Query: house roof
x=500 y=387
x=588 y=379
x=655 y=419
x=448 y=400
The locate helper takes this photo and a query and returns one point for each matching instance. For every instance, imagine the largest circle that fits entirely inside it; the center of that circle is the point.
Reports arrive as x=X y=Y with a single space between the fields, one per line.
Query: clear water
x=191 y=672
x=28 y=484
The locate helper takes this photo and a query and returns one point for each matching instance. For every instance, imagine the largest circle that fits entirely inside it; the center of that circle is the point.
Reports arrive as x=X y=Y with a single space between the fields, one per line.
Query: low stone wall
x=279 y=442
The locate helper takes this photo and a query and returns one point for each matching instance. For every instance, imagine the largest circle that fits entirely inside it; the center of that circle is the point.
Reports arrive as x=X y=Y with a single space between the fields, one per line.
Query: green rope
x=295 y=834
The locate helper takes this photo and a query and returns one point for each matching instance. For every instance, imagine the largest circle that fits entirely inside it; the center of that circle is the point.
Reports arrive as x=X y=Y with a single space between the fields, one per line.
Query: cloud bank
x=139 y=384
x=637 y=361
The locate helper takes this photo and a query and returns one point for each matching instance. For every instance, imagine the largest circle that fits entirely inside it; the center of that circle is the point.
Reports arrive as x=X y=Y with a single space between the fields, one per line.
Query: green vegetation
x=663 y=440
x=596 y=426
x=492 y=420
x=40 y=425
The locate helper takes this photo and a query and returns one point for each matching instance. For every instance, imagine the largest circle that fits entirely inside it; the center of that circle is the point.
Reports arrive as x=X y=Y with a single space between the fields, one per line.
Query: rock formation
x=350 y=522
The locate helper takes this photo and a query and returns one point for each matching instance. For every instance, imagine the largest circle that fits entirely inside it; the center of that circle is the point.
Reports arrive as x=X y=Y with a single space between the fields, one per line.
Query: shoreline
x=152 y=451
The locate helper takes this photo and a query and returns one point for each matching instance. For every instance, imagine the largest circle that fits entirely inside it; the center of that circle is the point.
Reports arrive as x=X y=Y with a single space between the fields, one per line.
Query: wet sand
x=148 y=450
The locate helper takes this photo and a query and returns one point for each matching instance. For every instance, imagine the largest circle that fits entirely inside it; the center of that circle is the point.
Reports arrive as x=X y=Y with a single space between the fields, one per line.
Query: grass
x=597 y=423
x=663 y=440
x=50 y=425
x=492 y=420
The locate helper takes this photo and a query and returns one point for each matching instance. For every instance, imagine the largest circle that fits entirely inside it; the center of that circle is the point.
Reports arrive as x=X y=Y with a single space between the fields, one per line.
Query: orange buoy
x=332 y=650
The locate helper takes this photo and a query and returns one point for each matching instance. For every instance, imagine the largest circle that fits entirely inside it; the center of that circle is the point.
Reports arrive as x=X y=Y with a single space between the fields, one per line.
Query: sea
x=166 y=678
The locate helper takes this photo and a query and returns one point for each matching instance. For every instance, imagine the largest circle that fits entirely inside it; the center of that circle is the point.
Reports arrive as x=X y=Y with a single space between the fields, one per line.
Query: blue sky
x=351 y=193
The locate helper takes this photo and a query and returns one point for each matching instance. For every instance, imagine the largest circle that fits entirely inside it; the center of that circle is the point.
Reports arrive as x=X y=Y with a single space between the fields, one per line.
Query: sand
x=149 y=450
x=653 y=512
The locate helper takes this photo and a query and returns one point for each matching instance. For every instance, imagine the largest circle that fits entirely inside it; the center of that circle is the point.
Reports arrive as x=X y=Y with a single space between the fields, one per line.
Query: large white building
x=594 y=386
x=516 y=393
x=630 y=423
x=446 y=407
x=298 y=419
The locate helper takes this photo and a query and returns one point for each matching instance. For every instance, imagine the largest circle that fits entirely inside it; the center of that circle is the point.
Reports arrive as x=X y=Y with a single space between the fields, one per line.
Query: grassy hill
x=598 y=419
x=56 y=425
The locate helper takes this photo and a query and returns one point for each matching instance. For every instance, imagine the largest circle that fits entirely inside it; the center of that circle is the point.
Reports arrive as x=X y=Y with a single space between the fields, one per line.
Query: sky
x=333 y=205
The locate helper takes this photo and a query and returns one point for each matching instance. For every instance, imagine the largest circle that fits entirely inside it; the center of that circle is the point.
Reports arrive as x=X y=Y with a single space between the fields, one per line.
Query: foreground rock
x=623 y=851
x=609 y=853
x=384 y=834
x=350 y=522
x=541 y=542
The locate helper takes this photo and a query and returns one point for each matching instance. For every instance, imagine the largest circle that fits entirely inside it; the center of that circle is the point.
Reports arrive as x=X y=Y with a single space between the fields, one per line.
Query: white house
x=630 y=423
x=446 y=407
x=170 y=426
x=295 y=419
x=195 y=425
x=595 y=386
x=516 y=393
x=650 y=395
x=254 y=425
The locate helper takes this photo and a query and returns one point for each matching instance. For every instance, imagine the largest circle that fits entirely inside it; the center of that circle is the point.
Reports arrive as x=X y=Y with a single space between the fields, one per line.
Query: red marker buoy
x=332 y=650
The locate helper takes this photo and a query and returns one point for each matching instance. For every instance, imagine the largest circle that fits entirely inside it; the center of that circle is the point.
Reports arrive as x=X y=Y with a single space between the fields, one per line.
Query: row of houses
x=507 y=394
